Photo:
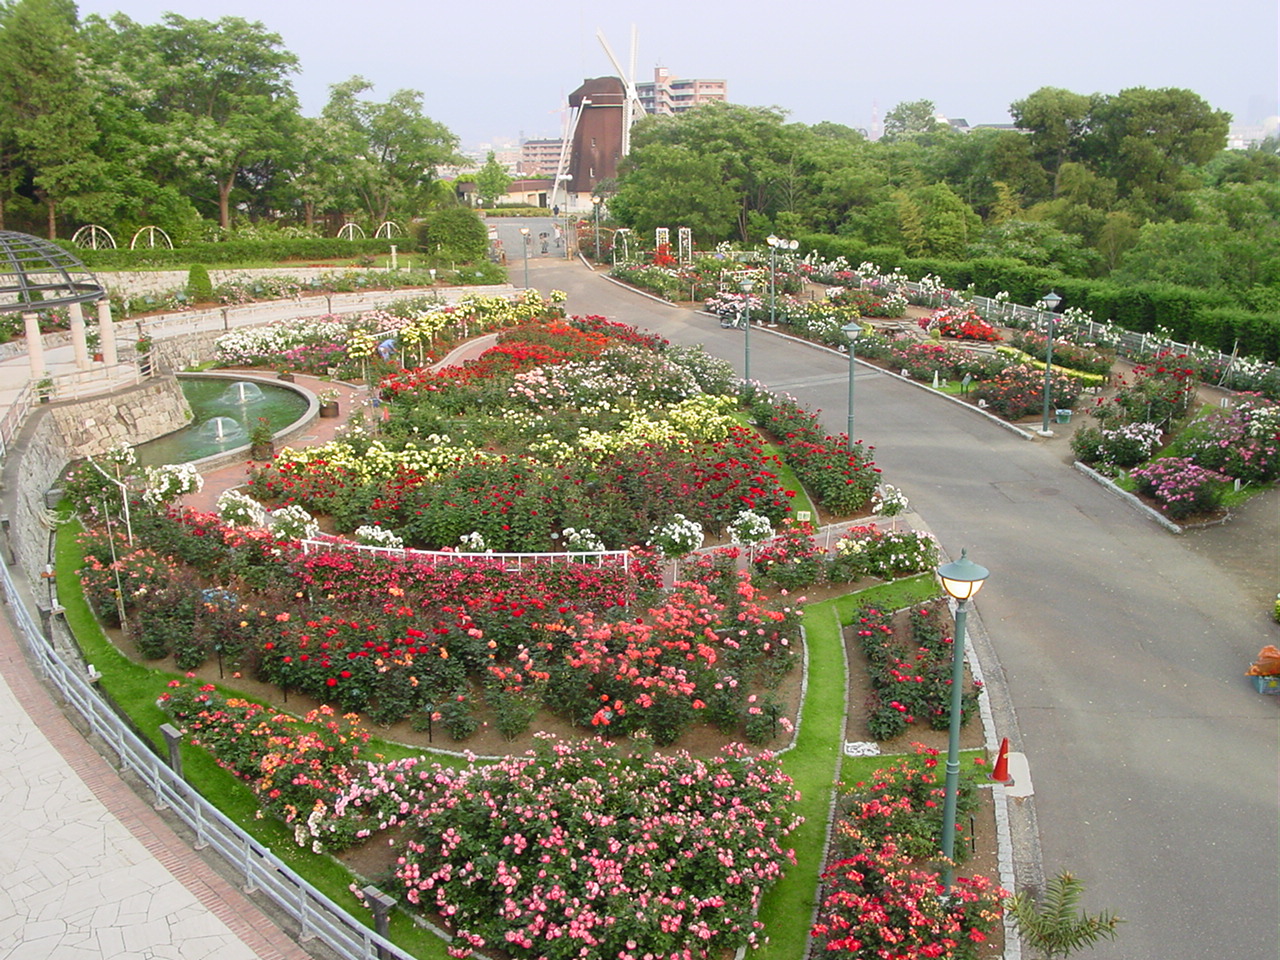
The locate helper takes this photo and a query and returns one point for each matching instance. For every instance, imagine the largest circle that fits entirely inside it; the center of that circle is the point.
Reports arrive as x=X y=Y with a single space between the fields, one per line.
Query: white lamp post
x=851 y=330
x=746 y=286
x=1050 y=300
x=776 y=244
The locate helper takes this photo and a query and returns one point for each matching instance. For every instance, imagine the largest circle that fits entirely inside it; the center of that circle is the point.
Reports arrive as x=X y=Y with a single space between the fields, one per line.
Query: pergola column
x=107 y=333
x=35 y=345
x=78 y=342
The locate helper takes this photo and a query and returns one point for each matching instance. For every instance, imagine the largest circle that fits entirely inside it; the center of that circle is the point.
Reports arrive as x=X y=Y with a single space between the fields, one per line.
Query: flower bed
x=882 y=895
x=640 y=853
x=911 y=676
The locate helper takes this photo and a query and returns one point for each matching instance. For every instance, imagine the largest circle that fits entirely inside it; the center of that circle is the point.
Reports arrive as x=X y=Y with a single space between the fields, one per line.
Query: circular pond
x=223 y=412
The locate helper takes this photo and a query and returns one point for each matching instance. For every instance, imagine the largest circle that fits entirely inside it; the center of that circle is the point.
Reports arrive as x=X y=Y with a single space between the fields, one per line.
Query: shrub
x=1019 y=392
x=708 y=855
x=453 y=233
x=199 y=286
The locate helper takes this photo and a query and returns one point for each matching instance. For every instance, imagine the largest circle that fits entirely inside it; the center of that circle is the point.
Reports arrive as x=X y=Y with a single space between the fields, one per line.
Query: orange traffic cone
x=1001 y=773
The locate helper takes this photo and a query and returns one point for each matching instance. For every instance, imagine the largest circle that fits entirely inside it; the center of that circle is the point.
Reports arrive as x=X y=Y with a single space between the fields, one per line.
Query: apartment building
x=539 y=158
x=668 y=95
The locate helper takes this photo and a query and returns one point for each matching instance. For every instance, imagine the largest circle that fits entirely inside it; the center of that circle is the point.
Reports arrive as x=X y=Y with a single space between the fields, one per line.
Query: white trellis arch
x=154 y=237
x=388 y=230
x=351 y=231
x=94 y=237
x=686 y=244
x=622 y=235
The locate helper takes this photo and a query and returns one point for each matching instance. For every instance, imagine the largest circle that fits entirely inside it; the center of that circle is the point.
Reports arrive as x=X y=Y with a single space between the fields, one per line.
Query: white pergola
x=36 y=275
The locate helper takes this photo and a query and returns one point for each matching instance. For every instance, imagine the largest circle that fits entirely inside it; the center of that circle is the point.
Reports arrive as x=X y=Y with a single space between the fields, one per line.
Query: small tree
x=1051 y=925
x=492 y=181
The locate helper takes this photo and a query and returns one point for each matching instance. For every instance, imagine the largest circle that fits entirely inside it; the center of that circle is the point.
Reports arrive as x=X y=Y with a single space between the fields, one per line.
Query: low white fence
x=508 y=561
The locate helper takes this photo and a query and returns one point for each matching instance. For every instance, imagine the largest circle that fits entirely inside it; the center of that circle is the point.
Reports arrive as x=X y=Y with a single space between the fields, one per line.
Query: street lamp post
x=524 y=234
x=851 y=330
x=776 y=244
x=1050 y=300
x=746 y=286
x=962 y=579
x=595 y=202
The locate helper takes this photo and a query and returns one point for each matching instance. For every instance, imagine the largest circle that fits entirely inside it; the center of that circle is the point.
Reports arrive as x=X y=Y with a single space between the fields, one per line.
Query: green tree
x=1036 y=242
x=492 y=181
x=398 y=149
x=751 y=149
x=911 y=224
x=1057 y=121
x=47 y=125
x=912 y=118
x=1145 y=140
x=666 y=185
x=222 y=92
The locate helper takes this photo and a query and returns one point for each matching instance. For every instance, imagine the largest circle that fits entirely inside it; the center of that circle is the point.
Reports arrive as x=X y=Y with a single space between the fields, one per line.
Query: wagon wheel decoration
x=94 y=237
x=151 y=237
x=351 y=231
x=388 y=230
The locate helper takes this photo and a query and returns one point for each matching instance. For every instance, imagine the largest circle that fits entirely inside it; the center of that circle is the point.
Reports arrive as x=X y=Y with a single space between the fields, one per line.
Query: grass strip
x=814 y=763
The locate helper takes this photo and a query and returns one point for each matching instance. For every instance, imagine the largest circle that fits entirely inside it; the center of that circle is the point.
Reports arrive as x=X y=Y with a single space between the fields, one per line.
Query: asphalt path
x=1122 y=647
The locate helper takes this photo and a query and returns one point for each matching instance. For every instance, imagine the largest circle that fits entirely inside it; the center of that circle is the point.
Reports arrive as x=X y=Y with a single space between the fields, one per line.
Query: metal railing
x=314 y=913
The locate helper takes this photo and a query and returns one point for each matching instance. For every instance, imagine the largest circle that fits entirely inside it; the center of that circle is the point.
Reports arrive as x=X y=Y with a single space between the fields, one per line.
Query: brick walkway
x=90 y=869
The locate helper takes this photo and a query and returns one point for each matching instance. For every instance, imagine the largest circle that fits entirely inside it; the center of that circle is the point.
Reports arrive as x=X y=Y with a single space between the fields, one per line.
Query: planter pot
x=286 y=376
x=1062 y=416
x=262 y=451
x=97 y=358
x=329 y=410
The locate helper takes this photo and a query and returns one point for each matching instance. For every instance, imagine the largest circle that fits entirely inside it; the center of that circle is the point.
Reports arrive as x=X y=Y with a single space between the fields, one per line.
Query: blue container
x=1266 y=684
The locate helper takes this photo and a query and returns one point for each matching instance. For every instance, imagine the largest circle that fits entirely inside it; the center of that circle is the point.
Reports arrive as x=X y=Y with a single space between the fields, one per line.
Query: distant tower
x=597 y=140
x=876 y=128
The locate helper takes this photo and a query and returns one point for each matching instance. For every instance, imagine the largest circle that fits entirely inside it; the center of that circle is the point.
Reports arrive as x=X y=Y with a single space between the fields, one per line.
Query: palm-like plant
x=1053 y=925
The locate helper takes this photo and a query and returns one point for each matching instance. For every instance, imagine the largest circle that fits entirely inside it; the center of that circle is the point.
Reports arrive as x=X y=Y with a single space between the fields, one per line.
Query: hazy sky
x=497 y=70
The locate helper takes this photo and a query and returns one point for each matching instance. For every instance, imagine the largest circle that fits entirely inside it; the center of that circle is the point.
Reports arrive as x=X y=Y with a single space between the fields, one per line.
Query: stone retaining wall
x=63 y=432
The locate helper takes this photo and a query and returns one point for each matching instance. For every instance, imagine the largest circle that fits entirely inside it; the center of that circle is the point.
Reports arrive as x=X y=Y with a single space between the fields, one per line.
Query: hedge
x=232 y=252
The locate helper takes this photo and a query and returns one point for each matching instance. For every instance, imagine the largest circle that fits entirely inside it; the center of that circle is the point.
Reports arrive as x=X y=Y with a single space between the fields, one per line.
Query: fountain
x=226 y=431
x=242 y=392
x=224 y=412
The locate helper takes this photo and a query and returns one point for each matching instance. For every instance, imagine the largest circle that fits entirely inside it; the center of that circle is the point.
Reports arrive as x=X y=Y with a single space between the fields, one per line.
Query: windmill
x=632 y=108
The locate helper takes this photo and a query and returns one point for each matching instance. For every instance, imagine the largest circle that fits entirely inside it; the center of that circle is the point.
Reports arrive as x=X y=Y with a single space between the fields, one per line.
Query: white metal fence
x=508 y=561
x=262 y=871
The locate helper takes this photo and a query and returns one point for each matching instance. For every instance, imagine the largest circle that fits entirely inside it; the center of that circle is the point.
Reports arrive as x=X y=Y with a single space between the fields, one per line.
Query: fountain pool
x=224 y=411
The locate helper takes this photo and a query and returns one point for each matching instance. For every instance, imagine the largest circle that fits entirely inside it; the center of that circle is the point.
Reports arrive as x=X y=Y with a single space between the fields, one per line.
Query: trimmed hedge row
x=232 y=252
x=1208 y=317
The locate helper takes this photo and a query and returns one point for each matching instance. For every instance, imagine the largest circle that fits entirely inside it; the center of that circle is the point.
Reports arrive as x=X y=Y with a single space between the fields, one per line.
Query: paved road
x=1123 y=647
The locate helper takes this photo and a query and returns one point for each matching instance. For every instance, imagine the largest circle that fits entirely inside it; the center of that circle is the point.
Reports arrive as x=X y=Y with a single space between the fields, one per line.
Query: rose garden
x=601 y=574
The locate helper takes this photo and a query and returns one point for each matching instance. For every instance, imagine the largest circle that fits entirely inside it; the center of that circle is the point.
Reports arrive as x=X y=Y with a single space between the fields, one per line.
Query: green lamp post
x=961 y=579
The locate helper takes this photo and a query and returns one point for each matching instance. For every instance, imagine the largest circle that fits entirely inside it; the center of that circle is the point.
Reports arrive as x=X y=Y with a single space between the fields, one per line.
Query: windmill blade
x=612 y=57
x=632 y=107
